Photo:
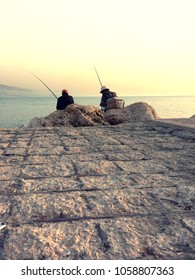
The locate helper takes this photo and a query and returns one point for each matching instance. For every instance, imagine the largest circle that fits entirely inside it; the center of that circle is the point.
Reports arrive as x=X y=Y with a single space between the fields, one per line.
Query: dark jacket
x=64 y=101
x=106 y=94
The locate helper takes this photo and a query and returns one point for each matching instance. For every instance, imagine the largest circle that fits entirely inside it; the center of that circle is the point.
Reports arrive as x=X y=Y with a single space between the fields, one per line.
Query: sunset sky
x=139 y=47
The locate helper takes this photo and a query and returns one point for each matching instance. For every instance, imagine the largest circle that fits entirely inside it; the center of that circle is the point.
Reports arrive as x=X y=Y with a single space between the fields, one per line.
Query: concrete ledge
x=182 y=123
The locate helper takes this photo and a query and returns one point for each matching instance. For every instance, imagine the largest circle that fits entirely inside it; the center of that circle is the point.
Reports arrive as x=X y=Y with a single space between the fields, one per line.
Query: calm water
x=17 y=111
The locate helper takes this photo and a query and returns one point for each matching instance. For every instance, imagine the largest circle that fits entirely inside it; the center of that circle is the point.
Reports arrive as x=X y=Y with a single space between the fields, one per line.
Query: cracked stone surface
x=111 y=192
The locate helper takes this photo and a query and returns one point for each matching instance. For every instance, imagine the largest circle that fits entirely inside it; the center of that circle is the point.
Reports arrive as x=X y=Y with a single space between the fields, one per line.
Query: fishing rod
x=97 y=75
x=45 y=85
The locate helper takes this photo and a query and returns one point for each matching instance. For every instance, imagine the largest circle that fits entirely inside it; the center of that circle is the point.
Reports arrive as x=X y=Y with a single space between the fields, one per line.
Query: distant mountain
x=6 y=90
x=6 y=87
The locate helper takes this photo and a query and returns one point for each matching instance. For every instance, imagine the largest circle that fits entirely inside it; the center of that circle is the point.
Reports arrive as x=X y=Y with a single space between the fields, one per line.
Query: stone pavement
x=109 y=192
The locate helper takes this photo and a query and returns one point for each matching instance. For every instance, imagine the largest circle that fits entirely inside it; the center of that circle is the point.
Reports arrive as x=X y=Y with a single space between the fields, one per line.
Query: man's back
x=64 y=101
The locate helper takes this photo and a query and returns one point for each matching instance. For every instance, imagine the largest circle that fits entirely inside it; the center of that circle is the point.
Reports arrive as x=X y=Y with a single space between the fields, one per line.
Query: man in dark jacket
x=106 y=94
x=64 y=100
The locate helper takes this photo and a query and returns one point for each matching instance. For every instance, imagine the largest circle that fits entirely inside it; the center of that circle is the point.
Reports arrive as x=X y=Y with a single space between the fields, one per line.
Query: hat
x=64 y=91
x=104 y=88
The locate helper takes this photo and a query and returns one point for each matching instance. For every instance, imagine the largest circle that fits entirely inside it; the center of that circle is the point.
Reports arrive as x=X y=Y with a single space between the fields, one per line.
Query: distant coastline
x=13 y=91
x=7 y=87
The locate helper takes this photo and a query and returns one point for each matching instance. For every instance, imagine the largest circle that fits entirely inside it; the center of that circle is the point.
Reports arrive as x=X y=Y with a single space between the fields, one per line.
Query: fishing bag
x=115 y=103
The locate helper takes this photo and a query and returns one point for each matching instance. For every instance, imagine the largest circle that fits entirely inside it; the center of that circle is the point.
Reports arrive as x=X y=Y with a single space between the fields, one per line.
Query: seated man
x=106 y=94
x=64 y=100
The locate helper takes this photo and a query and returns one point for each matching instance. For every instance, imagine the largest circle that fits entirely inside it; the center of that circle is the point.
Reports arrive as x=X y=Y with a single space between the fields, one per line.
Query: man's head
x=64 y=92
x=103 y=88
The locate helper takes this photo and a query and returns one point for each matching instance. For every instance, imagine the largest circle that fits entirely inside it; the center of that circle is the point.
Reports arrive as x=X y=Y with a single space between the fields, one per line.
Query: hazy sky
x=139 y=47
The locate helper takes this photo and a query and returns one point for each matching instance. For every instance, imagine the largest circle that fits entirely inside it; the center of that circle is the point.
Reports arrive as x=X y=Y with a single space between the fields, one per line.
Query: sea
x=17 y=111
